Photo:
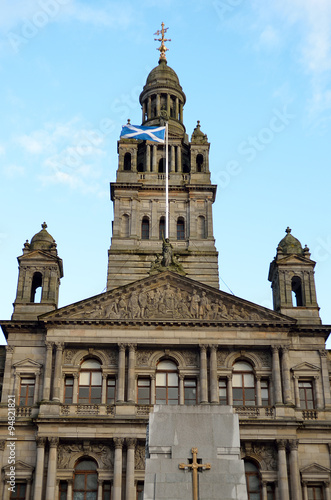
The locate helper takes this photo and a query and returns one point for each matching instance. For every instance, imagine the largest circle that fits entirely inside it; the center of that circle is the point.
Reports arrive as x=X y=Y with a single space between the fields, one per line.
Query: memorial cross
x=195 y=466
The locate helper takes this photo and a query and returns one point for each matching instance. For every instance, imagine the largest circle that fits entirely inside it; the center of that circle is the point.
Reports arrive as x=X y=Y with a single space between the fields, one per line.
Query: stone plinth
x=173 y=432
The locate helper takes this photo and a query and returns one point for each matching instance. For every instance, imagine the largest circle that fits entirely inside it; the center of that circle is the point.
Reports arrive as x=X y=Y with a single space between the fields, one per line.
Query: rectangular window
x=63 y=488
x=106 y=490
x=27 y=391
x=222 y=391
x=140 y=490
x=306 y=395
x=265 y=392
x=190 y=391
x=111 y=390
x=270 y=491
x=144 y=391
x=68 y=390
x=315 y=493
x=19 y=493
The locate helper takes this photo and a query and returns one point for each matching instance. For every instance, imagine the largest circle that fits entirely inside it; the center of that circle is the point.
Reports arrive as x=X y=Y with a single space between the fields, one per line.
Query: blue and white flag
x=155 y=134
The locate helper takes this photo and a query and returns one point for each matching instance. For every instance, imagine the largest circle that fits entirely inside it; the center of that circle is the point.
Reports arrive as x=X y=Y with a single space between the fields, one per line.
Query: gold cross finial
x=163 y=49
x=195 y=466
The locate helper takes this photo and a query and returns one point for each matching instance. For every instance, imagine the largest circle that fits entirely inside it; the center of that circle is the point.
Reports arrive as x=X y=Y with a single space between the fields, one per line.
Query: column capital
x=181 y=376
x=132 y=347
x=75 y=375
x=104 y=376
x=213 y=347
x=258 y=377
x=293 y=444
x=53 y=442
x=285 y=348
x=296 y=377
x=153 y=376
x=131 y=442
x=10 y=349
x=229 y=376
x=203 y=347
x=40 y=441
x=323 y=353
x=275 y=348
x=70 y=481
x=118 y=442
x=100 y=482
x=49 y=345
x=121 y=347
x=2 y=444
x=281 y=444
x=59 y=346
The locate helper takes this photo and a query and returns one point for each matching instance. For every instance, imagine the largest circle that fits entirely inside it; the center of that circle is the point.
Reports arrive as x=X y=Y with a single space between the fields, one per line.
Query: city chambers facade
x=83 y=379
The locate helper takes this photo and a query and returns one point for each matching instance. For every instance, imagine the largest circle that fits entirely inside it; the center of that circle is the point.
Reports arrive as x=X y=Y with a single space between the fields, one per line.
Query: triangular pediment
x=303 y=367
x=20 y=466
x=315 y=469
x=37 y=254
x=27 y=363
x=294 y=259
x=166 y=296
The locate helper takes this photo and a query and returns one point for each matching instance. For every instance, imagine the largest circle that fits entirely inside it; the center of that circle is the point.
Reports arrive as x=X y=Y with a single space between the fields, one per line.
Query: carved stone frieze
x=66 y=452
x=265 y=357
x=69 y=354
x=267 y=454
x=140 y=457
x=221 y=357
x=190 y=357
x=143 y=357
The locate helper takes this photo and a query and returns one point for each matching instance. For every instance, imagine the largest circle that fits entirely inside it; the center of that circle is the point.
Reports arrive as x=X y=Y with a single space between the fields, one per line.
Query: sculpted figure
x=195 y=299
x=204 y=307
x=168 y=298
x=134 y=305
x=167 y=253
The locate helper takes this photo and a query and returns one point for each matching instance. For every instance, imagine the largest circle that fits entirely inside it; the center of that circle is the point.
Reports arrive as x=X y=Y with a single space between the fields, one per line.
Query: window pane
x=84 y=378
x=79 y=483
x=92 y=482
x=96 y=378
x=91 y=496
x=173 y=379
x=86 y=465
x=161 y=394
x=173 y=393
x=166 y=365
x=189 y=383
x=237 y=380
x=161 y=379
x=248 y=380
x=143 y=382
x=91 y=363
x=242 y=366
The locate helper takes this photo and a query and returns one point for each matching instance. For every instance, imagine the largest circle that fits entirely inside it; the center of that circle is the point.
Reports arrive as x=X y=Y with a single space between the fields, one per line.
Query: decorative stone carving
x=69 y=354
x=221 y=357
x=66 y=451
x=142 y=357
x=64 y=454
x=265 y=358
x=267 y=454
x=140 y=457
x=167 y=261
x=190 y=357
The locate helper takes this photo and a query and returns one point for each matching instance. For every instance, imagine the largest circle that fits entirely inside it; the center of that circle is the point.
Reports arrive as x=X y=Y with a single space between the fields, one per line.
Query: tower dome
x=289 y=244
x=42 y=240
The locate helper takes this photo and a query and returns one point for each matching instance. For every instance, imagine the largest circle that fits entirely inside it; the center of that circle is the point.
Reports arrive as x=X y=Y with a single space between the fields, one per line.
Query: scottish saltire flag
x=155 y=134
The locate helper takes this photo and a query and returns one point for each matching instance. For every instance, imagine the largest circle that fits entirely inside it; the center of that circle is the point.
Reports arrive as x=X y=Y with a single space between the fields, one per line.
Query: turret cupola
x=40 y=271
x=292 y=276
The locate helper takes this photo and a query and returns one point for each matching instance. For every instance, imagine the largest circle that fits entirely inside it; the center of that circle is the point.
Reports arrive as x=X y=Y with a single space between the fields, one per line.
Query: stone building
x=83 y=379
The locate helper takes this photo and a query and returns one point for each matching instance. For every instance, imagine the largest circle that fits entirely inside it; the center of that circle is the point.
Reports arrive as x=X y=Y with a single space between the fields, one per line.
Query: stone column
x=28 y=489
x=177 y=108
x=203 y=374
x=258 y=391
x=264 y=490
x=39 y=472
x=148 y=157
x=325 y=377
x=57 y=371
x=52 y=466
x=296 y=391
x=117 y=482
x=75 y=389
x=36 y=387
x=158 y=104
x=179 y=159
x=130 y=489
x=168 y=104
x=104 y=389
x=173 y=159
x=304 y=491
x=229 y=390
x=149 y=106
x=153 y=377
x=131 y=374
x=7 y=379
x=154 y=169
x=48 y=371
x=286 y=376
x=282 y=470
x=100 y=484
x=294 y=471
x=213 y=375
x=121 y=373
x=276 y=375
x=69 y=489
x=319 y=401
x=181 y=112
x=327 y=491
x=6 y=492
x=181 y=389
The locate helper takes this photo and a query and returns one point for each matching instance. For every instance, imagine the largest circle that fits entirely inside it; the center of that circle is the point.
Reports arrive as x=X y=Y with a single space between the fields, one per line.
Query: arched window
x=145 y=228
x=243 y=384
x=166 y=383
x=201 y=227
x=85 y=480
x=180 y=228
x=162 y=228
x=161 y=165
x=199 y=163
x=252 y=481
x=127 y=161
x=36 y=288
x=297 y=297
x=140 y=167
x=90 y=382
x=125 y=226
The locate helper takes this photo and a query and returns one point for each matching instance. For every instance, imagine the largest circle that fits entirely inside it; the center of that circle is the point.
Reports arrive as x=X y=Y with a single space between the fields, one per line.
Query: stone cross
x=195 y=466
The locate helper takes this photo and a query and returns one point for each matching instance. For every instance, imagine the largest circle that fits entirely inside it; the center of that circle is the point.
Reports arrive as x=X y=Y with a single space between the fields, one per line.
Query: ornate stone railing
x=143 y=410
x=87 y=409
x=110 y=409
x=23 y=411
x=254 y=411
x=309 y=414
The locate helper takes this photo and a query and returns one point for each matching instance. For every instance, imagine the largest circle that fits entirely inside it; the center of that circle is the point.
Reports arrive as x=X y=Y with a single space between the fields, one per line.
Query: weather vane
x=163 y=49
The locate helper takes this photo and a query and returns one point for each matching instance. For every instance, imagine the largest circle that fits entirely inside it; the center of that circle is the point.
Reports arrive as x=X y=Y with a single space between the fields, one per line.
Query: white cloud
x=13 y=171
x=269 y=37
x=2 y=150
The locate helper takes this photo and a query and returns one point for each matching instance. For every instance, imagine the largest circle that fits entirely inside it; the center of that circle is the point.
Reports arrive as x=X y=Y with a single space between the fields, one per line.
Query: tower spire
x=163 y=49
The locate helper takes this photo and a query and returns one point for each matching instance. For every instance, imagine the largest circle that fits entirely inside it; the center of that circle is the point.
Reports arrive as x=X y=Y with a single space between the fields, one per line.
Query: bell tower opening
x=36 y=288
x=297 y=299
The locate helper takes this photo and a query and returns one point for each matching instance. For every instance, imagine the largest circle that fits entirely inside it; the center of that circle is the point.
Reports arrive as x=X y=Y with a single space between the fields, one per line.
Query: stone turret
x=40 y=271
x=292 y=276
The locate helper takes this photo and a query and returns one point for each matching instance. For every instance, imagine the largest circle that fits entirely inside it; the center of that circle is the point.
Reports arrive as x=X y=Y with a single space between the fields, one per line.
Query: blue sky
x=256 y=74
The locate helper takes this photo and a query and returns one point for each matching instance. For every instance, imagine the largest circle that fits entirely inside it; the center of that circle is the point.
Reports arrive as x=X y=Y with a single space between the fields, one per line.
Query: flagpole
x=167 y=185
